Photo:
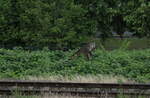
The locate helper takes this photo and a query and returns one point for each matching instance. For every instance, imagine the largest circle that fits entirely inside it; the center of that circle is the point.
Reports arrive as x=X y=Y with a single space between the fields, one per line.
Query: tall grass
x=83 y=79
x=134 y=43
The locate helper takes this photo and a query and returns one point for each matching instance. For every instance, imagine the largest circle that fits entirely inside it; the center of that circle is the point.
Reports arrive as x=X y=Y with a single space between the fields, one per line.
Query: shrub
x=19 y=63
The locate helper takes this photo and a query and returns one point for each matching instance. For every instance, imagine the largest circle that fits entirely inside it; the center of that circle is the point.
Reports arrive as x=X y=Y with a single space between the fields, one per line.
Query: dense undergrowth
x=19 y=63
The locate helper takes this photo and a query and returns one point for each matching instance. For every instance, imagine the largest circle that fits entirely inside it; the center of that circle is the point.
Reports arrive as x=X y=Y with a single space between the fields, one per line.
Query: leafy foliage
x=18 y=63
x=139 y=19
x=61 y=24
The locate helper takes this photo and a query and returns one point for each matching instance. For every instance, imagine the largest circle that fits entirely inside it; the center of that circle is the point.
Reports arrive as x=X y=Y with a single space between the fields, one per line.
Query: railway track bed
x=8 y=87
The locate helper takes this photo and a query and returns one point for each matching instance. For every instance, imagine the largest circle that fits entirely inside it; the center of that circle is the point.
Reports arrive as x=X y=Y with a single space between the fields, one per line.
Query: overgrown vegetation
x=19 y=63
x=61 y=24
x=126 y=44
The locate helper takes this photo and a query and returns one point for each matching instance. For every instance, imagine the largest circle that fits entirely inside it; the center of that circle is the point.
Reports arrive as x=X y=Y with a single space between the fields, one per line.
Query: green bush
x=19 y=63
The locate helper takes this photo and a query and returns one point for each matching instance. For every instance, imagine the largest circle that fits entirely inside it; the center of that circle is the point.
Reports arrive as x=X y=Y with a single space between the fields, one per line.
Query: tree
x=61 y=24
x=138 y=20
